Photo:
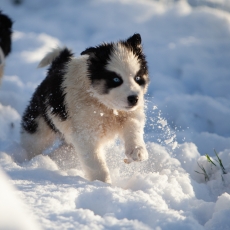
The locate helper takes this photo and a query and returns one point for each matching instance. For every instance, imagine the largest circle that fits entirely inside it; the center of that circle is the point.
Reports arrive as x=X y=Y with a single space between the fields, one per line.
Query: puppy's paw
x=139 y=153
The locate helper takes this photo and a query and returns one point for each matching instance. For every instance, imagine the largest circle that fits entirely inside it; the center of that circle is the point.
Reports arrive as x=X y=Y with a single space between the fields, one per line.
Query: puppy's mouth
x=123 y=107
x=131 y=107
x=127 y=107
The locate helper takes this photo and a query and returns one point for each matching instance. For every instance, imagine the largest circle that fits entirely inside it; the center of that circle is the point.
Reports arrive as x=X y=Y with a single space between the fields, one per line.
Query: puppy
x=89 y=101
x=5 y=40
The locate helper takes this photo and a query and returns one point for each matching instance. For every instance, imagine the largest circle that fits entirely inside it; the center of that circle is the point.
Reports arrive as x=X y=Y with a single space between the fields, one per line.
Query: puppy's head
x=118 y=73
x=5 y=33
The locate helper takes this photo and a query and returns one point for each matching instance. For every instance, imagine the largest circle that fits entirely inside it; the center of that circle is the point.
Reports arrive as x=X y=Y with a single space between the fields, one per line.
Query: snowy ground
x=187 y=44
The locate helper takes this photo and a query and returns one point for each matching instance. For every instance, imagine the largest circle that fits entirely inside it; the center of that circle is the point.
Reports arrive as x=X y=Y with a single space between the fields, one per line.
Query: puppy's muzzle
x=132 y=100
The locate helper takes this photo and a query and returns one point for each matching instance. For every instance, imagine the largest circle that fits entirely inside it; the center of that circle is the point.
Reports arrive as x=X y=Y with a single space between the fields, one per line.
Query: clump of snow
x=187 y=44
x=15 y=215
x=220 y=218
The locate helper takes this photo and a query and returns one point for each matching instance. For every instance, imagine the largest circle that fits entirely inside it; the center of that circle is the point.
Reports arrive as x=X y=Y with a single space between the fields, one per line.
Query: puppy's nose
x=132 y=99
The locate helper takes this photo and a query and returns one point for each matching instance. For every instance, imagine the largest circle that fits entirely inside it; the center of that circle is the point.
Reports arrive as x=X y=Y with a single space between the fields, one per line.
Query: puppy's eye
x=117 y=79
x=113 y=80
x=137 y=78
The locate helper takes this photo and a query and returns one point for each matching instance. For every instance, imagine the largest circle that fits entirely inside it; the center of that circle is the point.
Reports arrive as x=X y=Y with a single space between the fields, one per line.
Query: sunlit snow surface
x=187 y=44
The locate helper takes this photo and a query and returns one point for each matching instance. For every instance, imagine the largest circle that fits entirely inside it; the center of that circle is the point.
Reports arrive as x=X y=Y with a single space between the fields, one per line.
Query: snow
x=187 y=44
x=13 y=207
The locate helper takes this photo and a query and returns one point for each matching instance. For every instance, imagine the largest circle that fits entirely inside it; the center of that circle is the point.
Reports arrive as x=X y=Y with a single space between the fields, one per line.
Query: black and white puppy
x=5 y=40
x=89 y=101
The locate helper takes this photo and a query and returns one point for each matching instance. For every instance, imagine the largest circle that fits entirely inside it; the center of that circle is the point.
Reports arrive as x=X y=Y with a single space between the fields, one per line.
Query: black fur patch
x=5 y=33
x=134 y=44
x=49 y=96
x=142 y=81
x=99 y=57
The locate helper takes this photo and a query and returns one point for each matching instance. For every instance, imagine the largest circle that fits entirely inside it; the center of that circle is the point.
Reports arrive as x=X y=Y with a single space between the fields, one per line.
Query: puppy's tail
x=48 y=59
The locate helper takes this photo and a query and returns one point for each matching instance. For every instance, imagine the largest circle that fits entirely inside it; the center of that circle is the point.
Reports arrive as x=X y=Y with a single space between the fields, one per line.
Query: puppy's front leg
x=92 y=159
x=135 y=149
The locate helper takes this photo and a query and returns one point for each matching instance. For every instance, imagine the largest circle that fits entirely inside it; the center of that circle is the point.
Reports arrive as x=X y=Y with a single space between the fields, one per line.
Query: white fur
x=96 y=119
x=50 y=57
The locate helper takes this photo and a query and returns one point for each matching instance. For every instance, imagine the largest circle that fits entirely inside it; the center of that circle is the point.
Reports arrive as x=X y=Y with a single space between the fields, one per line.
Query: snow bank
x=14 y=214
x=154 y=194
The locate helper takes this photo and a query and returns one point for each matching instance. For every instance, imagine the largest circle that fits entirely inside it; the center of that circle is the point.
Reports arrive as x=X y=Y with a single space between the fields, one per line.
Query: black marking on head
x=140 y=79
x=89 y=51
x=99 y=57
x=133 y=43
x=49 y=96
x=99 y=53
x=134 y=40
x=5 y=33
x=111 y=80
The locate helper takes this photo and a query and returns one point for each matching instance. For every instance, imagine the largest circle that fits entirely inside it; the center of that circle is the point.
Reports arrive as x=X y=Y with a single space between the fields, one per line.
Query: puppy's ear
x=135 y=40
x=88 y=51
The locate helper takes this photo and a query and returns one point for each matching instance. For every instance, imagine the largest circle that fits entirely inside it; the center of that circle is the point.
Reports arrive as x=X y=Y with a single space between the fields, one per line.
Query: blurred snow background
x=187 y=44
